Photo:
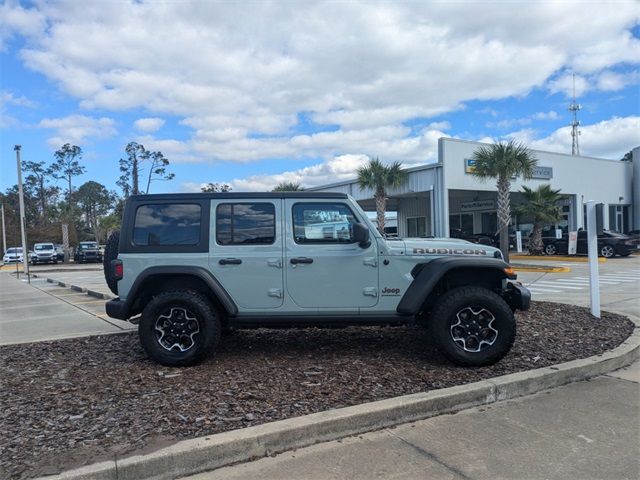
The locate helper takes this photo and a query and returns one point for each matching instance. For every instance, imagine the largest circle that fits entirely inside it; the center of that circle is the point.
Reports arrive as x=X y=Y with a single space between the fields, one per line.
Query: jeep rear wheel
x=473 y=326
x=550 y=249
x=179 y=328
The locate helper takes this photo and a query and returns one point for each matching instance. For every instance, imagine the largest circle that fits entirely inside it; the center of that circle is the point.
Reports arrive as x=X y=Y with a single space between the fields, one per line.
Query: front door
x=245 y=252
x=325 y=269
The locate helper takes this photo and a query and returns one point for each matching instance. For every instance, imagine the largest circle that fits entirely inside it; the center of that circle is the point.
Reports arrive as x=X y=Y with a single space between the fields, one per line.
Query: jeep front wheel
x=473 y=326
x=179 y=328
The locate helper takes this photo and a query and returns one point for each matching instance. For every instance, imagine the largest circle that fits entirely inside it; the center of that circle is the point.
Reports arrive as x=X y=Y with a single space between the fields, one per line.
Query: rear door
x=245 y=252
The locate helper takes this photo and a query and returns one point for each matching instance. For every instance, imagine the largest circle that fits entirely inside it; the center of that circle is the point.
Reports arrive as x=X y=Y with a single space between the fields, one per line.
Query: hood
x=440 y=247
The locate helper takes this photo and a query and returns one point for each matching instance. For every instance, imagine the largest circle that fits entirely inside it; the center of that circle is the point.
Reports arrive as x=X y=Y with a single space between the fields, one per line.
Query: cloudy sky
x=254 y=93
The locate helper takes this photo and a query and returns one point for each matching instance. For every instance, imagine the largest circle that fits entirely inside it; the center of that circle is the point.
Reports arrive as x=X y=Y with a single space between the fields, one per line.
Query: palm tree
x=288 y=187
x=503 y=161
x=378 y=177
x=541 y=205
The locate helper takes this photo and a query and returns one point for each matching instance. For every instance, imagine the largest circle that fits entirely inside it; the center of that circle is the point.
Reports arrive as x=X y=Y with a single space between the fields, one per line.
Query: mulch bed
x=72 y=402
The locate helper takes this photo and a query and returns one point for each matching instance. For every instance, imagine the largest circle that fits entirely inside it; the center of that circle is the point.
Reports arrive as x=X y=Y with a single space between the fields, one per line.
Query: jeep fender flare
x=199 y=272
x=427 y=275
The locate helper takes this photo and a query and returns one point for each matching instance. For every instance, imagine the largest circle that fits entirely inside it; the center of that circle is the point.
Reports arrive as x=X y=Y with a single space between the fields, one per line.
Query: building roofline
x=343 y=183
x=459 y=140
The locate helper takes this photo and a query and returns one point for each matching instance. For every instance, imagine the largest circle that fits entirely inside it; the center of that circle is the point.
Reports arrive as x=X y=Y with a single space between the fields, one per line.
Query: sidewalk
x=585 y=430
x=30 y=314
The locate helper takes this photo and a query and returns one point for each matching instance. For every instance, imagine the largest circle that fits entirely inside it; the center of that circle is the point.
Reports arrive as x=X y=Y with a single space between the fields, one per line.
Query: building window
x=245 y=224
x=167 y=224
x=323 y=223
x=416 y=227
x=460 y=224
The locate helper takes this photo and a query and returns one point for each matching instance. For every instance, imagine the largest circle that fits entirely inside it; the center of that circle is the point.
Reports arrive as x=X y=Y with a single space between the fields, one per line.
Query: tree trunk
x=536 y=246
x=381 y=207
x=69 y=199
x=134 y=177
x=504 y=215
x=43 y=200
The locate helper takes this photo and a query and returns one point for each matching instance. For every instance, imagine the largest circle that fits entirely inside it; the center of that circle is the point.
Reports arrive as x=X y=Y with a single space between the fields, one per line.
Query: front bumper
x=517 y=296
x=118 y=309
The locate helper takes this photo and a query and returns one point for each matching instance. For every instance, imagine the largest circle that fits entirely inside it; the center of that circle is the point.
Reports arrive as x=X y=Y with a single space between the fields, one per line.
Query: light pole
x=4 y=230
x=23 y=223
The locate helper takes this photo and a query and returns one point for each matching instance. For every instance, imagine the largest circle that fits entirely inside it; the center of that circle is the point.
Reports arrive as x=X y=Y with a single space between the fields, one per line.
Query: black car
x=609 y=244
x=87 y=252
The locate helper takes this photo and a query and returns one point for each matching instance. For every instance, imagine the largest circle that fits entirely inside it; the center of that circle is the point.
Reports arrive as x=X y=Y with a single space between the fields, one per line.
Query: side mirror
x=361 y=235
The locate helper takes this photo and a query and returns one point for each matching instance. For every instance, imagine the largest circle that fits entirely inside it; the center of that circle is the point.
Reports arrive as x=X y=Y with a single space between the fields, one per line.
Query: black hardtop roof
x=234 y=195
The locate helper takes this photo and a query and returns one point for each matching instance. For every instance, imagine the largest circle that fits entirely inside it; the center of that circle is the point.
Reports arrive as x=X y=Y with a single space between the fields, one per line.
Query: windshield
x=14 y=250
x=44 y=247
x=86 y=246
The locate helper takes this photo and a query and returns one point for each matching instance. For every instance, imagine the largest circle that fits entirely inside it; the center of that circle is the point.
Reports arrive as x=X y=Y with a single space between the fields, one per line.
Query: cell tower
x=575 y=132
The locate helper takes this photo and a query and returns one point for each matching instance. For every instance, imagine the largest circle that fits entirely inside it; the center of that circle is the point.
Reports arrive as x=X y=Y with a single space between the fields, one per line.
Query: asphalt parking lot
x=45 y=311
x=619 y=284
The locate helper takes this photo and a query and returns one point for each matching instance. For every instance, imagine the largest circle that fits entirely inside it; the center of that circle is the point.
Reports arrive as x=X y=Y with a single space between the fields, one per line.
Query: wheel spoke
x=176 y=329
x=473 y=331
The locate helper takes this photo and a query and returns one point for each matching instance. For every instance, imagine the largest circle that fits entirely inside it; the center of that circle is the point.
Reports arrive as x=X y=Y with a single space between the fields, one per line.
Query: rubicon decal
x=449 y=251
x=390 y=292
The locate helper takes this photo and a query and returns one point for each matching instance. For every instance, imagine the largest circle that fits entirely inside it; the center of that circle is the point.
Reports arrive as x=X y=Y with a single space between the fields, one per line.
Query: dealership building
x=441 y=197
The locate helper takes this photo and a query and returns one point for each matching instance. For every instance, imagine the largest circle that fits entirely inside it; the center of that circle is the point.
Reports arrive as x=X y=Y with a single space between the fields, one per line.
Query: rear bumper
x=118 y=309
x=517 y=296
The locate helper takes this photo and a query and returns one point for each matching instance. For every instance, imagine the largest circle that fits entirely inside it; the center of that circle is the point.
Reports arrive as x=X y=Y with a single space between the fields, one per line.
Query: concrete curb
x=214 y=451
x=539 y=268
x=551 y=258
x=76 y=288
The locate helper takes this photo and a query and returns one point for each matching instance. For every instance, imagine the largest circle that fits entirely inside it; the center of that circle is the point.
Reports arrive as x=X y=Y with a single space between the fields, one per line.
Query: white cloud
x=76 y=129
x=567 y=84
x=550 y=115
x=339 y=168
x=148 y=125
x=243 y=80
x=612 y=81
x=8 y=99
x=608 y=139
x=19 y=20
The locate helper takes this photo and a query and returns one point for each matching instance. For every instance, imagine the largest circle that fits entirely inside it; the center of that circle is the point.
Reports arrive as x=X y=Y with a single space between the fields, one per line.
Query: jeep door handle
x=229 y=261
x=295 y=261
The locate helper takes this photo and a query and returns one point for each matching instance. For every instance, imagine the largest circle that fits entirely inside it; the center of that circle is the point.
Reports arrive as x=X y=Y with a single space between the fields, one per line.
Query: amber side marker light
x=510 y=271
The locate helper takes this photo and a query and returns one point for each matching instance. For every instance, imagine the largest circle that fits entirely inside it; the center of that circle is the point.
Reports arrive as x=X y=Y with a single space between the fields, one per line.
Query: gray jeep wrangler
x=195 y=265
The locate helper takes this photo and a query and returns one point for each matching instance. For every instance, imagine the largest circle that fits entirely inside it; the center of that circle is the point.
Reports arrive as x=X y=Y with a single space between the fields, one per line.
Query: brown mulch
x=73 y=402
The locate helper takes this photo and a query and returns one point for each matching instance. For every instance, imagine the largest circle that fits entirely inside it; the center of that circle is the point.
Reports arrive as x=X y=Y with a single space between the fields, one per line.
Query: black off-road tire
x=111 y=253
x=445 y=315
x=198 y=307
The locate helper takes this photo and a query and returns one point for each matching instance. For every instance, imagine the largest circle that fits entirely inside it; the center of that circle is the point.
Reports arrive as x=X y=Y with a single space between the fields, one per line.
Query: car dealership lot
x=44 y=311
x=619 y=284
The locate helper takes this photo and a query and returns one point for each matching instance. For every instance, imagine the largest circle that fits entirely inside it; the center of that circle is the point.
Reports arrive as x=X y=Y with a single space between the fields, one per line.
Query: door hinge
x=277 y=262
x=373 y=261
x=275 y=292
x=370 y=291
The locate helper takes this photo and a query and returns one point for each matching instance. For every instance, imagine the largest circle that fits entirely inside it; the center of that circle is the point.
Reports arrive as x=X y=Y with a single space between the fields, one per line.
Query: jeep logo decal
x=449 y=251
x=390 y=292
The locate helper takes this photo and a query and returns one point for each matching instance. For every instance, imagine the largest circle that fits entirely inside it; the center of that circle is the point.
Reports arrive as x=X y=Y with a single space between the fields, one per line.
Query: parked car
x=59 y=252
x=609 y=244
x=44 y=253
x=13 y=255
x=87 y=252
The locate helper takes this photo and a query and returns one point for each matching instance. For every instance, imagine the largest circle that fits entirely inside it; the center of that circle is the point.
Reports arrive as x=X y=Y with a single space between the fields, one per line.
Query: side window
x=323 y=223
x=245 y=224
x=167 y=224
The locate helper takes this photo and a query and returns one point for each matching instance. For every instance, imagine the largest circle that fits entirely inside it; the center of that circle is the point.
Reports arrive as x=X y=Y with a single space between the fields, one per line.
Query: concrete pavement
x=30 y=313
x=585 y=430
